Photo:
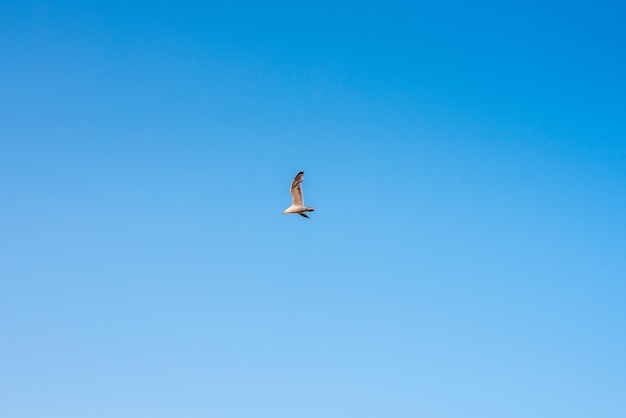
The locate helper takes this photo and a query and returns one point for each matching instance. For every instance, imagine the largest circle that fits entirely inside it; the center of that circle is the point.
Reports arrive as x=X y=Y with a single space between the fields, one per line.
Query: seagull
x=297 y=205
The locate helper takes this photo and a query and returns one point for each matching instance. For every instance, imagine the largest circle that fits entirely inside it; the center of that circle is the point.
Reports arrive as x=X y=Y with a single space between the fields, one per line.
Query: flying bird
x=297 y=204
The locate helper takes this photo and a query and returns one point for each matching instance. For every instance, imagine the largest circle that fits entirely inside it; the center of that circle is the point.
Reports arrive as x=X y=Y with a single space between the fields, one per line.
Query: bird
x=297 y=204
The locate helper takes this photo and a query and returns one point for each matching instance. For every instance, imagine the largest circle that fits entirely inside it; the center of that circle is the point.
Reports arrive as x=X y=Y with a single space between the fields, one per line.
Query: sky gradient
x=467 y=258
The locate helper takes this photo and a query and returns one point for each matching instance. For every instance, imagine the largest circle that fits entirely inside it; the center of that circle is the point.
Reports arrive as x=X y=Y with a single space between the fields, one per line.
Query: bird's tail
x=309 y=209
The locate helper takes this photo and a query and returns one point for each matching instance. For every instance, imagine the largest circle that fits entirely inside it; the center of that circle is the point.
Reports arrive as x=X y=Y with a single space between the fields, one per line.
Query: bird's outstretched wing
x=296 y=190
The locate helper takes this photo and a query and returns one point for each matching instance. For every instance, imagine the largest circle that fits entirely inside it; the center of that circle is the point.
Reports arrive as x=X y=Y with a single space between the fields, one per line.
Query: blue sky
x=466 y=259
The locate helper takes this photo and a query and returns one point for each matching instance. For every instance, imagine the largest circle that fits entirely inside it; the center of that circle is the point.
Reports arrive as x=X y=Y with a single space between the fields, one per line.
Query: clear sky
x=467 y=258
